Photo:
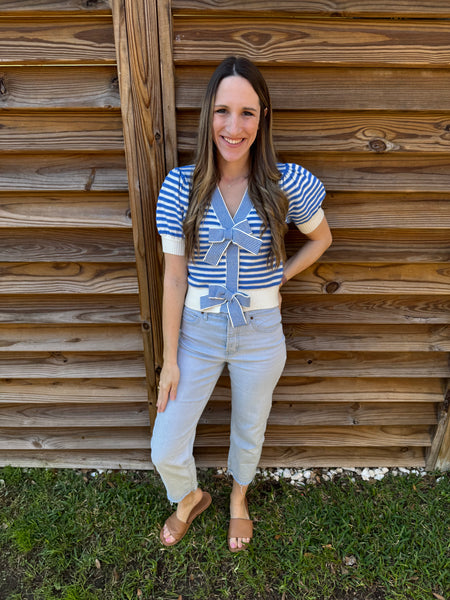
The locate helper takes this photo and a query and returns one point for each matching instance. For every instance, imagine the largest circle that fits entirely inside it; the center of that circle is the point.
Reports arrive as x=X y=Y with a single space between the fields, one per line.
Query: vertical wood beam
x=443 y=458
x=138 y=61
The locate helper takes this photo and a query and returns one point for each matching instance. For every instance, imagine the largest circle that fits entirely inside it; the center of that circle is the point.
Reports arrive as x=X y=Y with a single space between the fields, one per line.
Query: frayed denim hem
x=182 y=497
x=230 y=472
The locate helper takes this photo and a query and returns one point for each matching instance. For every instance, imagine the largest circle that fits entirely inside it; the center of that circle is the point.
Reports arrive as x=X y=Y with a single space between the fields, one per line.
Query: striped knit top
x=305 y=193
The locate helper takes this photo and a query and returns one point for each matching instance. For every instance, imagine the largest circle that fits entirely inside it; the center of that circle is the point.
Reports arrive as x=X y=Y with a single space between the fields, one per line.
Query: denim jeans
x=255 y=354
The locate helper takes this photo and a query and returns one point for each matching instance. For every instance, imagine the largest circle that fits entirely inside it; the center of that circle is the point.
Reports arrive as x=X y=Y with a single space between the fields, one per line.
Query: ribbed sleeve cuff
x=172 y=244
x=313 y=222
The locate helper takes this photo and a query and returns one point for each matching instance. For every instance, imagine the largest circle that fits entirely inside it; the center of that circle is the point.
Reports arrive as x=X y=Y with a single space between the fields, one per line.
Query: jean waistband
x=259 y=298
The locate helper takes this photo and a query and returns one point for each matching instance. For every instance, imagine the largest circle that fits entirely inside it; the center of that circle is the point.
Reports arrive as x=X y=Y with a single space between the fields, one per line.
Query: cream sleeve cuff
x=314 y=222
x=172 y=244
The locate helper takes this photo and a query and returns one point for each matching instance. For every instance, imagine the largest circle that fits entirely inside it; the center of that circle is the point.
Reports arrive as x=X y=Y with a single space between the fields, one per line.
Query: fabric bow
x=218 y=295
x=220 y=238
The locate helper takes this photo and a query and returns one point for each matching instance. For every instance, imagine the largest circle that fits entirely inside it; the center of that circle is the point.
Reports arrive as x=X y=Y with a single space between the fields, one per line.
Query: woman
x=222 y=224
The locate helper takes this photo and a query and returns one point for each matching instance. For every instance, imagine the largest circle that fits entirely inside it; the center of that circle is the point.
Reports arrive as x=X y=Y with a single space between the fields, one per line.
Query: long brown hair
x=268 y=199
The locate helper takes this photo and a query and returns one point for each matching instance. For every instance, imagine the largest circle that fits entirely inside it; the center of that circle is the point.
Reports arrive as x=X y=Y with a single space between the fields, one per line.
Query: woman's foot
x=240 y=523
x=183 y=512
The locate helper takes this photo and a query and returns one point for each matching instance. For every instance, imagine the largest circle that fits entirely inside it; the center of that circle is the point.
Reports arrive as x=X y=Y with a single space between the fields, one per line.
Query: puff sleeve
x=305 y=193
x=171 y=210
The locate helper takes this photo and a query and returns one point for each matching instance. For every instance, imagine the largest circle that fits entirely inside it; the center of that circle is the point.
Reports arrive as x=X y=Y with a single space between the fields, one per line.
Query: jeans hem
x=183 y=496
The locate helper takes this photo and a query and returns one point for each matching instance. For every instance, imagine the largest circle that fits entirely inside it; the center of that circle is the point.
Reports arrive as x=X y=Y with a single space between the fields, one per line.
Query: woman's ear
x=266 y=110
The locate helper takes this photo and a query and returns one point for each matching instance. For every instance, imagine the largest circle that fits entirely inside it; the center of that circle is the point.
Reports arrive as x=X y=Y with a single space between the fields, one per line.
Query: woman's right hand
x=168 y=384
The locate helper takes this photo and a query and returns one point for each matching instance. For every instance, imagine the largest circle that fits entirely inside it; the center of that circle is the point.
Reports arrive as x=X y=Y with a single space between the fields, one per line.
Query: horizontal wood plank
x=56 y=338
x=13 y=7
x=366 y=309
x=308 y=413
x=73 y=391
x=380 y=245
x=296 y=389
x=382 y=210
x=93 y=210
x=372 y=278
x=321 y=88
x=402 y=338
x=356 y=435
x=69 y=309
x=62 y=245
x=87 y=86
x=68 y=278
x=52 y=40
x=367 y=364
x=72 y=364
x=60 y=171
x=332 y=8
x=312 y=42
x=348 y=131
x=82 y=459
x=56 y=130
x=65 y=415
x=313 y=456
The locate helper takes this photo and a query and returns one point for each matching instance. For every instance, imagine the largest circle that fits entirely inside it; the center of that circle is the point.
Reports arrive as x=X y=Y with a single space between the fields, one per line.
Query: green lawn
x=88 y=536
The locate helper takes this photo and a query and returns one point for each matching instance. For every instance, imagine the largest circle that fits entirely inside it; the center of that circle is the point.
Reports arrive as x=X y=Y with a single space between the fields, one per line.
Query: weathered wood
x=312 y=42
x=331 y=88
x=73 y=459
x=68 y=278
x=403 y=338
x=64 y=415
x=59 y=87
x=361 y=278
x=440 y=459
x=138 y=57
x=296 y=389
x=382 y=246
x=68 y=309
x=367 y=364
x=61 y=171
x=12 y=7
x=307 y=456
x=73 y=391
x=351 y=131
x=332 y=8
x=58 y=130
x=357 y=435
x=91 y=210
x=56 y=338
x=56 y=245
x=94 y=439
x=426 y=210
x=356 y=413
x=71 y=364
x=41 y=40
x=366 y=309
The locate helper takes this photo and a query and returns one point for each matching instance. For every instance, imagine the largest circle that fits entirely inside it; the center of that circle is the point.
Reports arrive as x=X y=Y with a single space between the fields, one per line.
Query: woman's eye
x=220 y=111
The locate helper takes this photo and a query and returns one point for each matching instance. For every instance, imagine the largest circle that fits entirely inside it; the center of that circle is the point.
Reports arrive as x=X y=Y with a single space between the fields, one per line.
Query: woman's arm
x=319 y=240
x=174 y=292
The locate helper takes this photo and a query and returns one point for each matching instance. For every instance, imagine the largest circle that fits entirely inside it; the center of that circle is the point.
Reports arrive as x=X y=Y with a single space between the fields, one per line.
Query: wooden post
x=443 y=459
x=138 y=61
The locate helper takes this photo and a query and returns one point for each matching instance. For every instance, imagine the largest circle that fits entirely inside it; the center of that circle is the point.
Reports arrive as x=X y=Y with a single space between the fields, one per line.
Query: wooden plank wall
x=73 y=390
x=360 y=92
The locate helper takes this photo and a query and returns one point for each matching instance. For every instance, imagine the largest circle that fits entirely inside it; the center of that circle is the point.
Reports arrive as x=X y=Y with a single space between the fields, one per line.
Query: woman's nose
x=234 y=124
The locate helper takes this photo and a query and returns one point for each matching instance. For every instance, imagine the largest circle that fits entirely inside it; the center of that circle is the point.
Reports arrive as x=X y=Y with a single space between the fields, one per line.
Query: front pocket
x=265 y=320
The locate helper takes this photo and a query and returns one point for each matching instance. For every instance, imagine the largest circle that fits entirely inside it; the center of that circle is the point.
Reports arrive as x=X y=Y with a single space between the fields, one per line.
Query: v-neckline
x=225 y=204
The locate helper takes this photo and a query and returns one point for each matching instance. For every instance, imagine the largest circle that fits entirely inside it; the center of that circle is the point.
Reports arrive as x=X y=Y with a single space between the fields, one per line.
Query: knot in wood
x=377 y=145
x=146 y=325
x=2 y=87
x=332 y=287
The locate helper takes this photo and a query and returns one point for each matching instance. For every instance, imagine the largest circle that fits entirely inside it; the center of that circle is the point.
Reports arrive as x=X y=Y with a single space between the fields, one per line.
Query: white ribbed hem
x=314 y=222
x=172 y=244
x=259 y=299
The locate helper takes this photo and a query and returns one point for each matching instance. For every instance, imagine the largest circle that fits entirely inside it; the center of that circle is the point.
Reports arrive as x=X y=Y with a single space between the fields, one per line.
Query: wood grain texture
x=53 y=40
x=59 y=87
x=55 y=338
x=15 y=7
x=61 y=171
x=68 y=278
x=332 y=8
x=89 y=210
x=312 y=42
x=68 y=309
x=330 y=88
x=73 y=391
x=56 y=130
x=350 y=131
x=90 y=458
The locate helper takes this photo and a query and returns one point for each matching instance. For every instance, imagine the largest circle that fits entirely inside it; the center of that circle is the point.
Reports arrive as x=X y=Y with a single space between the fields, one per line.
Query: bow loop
x=219 y=295
x=221 y=237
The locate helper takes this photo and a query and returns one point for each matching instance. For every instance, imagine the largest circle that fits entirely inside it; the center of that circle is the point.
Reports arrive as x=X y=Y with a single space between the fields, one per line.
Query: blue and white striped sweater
x=305 y=193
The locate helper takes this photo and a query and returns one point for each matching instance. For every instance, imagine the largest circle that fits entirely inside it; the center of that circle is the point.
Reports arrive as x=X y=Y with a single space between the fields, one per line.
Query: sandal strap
x=176 y=527
x=240 y=528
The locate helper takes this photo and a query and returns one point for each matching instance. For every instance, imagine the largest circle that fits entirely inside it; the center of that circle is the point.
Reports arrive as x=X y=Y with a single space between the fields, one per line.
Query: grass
x=68 y=535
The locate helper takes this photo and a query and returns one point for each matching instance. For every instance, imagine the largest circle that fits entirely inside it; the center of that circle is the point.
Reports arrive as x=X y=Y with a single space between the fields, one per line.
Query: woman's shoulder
x=181 y=174
x=292 y=172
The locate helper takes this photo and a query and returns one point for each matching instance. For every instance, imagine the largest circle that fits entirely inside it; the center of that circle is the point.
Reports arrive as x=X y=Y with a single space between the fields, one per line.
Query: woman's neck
x=231 y=173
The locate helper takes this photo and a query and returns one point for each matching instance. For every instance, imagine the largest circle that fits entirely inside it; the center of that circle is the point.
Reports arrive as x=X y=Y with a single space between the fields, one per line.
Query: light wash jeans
x=255 y=354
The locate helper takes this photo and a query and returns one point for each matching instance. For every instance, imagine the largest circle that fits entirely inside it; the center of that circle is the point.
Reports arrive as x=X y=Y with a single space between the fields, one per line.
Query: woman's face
x=235 y=120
